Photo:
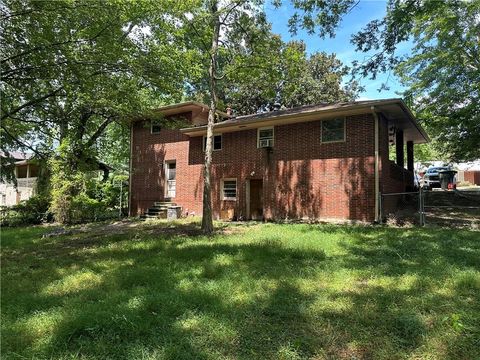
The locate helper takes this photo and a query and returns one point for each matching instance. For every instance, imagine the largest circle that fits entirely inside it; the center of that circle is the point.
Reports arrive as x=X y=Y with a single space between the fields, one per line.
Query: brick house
x=327 y=161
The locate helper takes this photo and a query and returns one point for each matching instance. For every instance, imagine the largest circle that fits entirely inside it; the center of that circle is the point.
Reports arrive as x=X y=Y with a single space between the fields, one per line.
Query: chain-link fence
x=445 y=208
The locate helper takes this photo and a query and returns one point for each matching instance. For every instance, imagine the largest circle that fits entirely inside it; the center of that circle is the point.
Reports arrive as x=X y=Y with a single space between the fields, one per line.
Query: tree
x=290 y=78
x=229 y=35
x=443 y=71
x=70 y=69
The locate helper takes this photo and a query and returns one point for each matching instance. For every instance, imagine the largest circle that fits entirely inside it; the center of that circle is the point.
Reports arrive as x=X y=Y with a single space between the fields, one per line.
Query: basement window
x=265 y=137
x=333 y=130
x=217 y=142
x=229 y=189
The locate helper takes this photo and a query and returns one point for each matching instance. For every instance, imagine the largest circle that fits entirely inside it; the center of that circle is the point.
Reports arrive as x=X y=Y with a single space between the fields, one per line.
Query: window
x=155 y=128
x=217 y=142
x=265 y=137
x=229 y=189
x=33 y=171
x=22 y=171
x=333 y=130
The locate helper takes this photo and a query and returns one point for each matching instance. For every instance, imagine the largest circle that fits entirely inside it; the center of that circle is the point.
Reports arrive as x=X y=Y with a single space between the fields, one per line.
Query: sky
x=365 y=11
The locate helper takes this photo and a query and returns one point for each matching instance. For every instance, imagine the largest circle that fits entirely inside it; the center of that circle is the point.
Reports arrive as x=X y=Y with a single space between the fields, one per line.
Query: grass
x=163 y=291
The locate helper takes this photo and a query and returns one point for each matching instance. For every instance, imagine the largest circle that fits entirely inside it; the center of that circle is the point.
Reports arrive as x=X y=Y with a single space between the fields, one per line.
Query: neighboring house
x=468 y=172
x=26 y=173
x=312 y=162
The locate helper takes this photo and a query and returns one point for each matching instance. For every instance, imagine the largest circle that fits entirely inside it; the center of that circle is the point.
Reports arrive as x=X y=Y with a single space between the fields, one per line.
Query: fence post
x=380 y=208
x=420 y=207
x=120 y=211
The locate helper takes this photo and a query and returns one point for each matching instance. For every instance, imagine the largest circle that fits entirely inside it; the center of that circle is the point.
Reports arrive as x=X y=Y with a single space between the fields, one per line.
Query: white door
x=170 y=175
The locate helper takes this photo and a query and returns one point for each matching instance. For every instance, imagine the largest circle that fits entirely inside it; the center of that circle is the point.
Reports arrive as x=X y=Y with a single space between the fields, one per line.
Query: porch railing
x=27 y=182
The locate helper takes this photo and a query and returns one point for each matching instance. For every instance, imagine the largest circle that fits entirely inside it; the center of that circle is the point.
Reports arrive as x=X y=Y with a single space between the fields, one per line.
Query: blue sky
x=365 y=11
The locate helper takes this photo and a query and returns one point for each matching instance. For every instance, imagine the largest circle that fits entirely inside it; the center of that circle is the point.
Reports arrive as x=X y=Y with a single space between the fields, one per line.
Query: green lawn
x=163 y=291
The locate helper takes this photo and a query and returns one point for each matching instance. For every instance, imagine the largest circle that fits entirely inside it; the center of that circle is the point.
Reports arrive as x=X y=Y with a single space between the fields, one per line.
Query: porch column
x=410 y=155
x=399 y=147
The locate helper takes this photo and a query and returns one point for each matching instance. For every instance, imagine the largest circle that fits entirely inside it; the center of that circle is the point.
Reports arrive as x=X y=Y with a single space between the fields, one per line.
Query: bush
x=84 y=209
x=78 y=193
x=30 y=212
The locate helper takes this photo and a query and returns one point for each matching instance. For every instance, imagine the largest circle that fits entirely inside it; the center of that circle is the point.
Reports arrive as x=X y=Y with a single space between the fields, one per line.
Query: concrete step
x=154 y=216
x=164 y=203
x=157 y=209
x=145 y=217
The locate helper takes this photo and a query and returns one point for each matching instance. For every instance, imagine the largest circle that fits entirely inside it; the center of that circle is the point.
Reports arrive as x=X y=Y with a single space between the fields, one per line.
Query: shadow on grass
x=176 y=294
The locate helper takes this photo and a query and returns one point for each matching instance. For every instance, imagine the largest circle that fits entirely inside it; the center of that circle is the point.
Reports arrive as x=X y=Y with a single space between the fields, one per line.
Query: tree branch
x=22 y=144
x=99 y=131
x=31 y=102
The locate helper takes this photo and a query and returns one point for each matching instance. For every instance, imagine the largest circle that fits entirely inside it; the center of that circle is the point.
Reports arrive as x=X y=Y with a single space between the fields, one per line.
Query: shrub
x=84 y=209
x=78 y=193
x=30 y=212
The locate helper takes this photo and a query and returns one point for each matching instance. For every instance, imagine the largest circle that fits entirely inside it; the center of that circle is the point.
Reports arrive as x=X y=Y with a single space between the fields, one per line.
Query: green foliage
x=33 y=211
x=288 y=76
x=442 y=73
x=72 y=69
x=109 y=191
x=270 y=70
x=83 y=208
x=249 y=291
x=426 y=152
x=78 y=192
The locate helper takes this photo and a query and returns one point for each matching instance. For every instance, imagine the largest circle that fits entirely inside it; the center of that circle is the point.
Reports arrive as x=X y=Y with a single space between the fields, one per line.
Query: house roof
x=469 y=166
x=394 y=109
x=17 y=155
x=184 y=107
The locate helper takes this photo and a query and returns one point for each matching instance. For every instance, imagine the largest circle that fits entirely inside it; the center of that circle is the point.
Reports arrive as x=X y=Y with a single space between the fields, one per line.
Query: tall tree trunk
x=207 y=221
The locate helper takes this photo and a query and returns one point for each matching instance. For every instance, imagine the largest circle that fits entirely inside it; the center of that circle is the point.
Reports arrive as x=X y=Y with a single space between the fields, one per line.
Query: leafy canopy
x=70 y=69
x=443 y=71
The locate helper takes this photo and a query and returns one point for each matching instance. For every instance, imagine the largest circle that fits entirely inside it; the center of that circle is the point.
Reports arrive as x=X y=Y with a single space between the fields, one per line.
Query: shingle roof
x=307 y=109
x=17 y=155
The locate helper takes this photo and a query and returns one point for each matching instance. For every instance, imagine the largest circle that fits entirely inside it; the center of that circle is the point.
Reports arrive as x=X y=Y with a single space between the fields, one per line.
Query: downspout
x=377 y=177
x=130 y=172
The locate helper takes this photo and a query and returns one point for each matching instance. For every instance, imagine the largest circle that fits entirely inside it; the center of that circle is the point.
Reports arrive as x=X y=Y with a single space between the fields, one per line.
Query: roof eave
x=179 y=106
x=352 y=110
x=414 y=121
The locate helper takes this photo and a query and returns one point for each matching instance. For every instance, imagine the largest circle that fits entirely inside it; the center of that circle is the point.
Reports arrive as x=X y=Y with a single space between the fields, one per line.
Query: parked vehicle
x=431 y=179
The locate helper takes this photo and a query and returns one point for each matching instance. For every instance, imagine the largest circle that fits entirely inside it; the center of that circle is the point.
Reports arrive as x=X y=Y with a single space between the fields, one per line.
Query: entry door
x=256 y=199
x=171 y=175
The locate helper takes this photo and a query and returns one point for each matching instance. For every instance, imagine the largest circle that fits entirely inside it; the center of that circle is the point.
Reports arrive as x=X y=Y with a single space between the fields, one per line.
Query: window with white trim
x=265 y=137
x=229 y=189
x=216 y=144
x=333 y=130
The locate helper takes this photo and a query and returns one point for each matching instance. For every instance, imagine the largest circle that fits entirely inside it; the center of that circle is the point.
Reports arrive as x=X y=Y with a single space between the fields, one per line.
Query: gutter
x=258 y=122
x=377 y=176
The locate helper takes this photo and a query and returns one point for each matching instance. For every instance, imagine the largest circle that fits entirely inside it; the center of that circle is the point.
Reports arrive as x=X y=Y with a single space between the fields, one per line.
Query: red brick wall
x=302 y=178
x=472 y=176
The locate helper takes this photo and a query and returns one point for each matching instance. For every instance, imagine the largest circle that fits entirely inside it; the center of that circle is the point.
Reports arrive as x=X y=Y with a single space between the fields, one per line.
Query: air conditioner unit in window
x=266 y=143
